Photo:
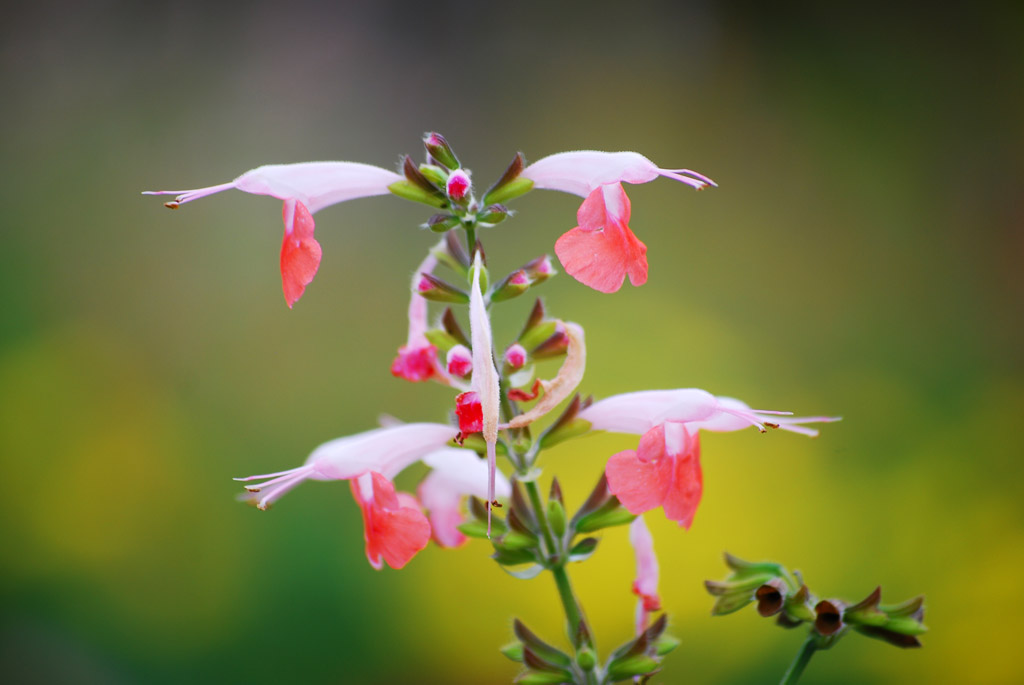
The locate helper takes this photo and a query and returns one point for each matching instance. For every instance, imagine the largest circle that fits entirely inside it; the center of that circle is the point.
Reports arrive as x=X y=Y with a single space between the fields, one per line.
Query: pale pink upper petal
x=455 y=474
x=581 y=171
x=383 y=450
x=638 y=412
x=317 y=184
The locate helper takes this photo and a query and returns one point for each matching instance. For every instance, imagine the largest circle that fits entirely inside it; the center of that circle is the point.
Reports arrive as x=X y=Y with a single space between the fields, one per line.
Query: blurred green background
x=862 y=257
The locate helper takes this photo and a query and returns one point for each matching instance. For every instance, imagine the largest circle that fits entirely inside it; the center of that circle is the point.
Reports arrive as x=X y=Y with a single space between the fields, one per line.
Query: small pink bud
x=519 y=278
x=440 y=150
x=460 y=361
x=540 y=269
x=458 y=185
x=515 y=356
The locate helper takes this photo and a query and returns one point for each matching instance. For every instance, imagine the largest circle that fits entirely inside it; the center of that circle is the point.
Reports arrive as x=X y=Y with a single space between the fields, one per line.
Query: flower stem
x=803 y=657
x=569 y=603
x=542 y=518
x=565 y=593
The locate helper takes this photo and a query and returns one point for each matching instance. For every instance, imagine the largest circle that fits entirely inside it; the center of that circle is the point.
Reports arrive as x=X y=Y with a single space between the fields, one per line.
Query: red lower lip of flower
x=470 y=413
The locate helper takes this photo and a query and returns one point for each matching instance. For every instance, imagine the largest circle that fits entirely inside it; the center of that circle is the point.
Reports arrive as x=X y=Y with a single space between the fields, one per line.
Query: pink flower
x=664 y=470
x=417 y=359
x=395 y=527
x=602 y=250
x=645 y=587
x=306 y=189
x=455 y=474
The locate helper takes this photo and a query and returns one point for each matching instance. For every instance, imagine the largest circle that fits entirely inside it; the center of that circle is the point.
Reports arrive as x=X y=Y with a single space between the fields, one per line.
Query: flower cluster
x=500 y=392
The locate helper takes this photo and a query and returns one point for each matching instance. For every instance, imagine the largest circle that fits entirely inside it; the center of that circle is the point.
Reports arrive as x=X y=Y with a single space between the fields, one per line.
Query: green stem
x=538 y=507
x=572 y=607
x=803 y=657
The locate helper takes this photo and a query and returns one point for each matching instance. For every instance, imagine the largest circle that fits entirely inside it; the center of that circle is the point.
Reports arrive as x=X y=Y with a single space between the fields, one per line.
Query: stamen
x=694 y=174
x=747 y=416
x=184 y=196
x=268 y=475
x=283 y=487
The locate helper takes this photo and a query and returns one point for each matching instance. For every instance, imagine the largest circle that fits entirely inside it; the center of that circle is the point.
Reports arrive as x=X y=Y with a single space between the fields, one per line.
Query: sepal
x=433 y=288
x=435 y=174
x=510 y=185
x=610 y=514
x=438 y=148
x=583 y=549
x=513 y=285
x=442 y=223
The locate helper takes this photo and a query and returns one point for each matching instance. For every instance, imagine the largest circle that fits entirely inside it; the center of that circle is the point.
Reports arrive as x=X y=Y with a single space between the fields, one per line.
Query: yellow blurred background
x=861 y=257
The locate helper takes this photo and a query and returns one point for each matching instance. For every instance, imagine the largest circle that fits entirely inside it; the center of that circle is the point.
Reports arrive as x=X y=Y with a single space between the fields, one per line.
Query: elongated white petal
x=485 y=376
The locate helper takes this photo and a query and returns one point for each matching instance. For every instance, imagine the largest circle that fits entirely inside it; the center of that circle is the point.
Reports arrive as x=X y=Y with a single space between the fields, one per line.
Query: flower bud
x=515 y=356
x=434 y=174
x=433 y=288
x=438 y=148
x=441 y=223
x=611 y=513
x=409 y=191
x=510 y=184
x=556 y=517
x=494 y=214
x=631 y=667
x=554 y=346
x=582 y=550
x=459 y=361
x=513 y=285
x=539 y=269
x=458 y=186
x=586 y=659
x=513 y=651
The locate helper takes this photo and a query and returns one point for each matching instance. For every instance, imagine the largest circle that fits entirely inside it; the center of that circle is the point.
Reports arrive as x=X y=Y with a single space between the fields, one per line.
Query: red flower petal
x=684 y=494
x=640 y=486
x=602 y=251
x=415 y=363
x=393 y=531
x=470 y=412
x=300 y=252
